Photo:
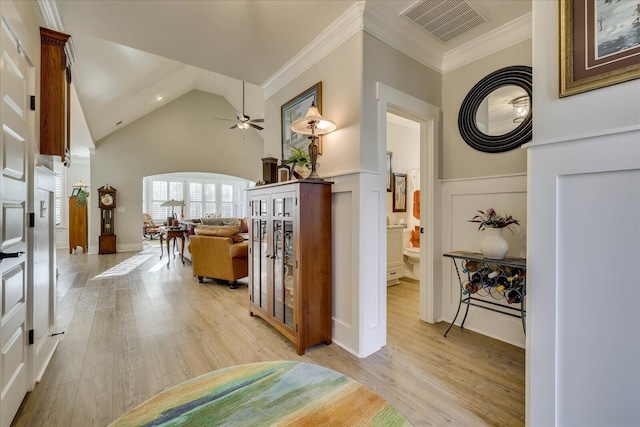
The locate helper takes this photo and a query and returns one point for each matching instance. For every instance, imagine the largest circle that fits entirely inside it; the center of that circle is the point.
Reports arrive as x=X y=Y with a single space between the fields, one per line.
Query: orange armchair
x=219 y=258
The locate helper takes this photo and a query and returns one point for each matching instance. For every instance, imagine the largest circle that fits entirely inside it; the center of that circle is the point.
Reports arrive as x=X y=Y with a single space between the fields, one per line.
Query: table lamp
x=173 y=204
x=313 y=124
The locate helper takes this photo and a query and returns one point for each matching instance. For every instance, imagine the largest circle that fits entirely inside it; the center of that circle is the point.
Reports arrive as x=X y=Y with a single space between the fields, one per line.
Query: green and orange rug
x=279 y=393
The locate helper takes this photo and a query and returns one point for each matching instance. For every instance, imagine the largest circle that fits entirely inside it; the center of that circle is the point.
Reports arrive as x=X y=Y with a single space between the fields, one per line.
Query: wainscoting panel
x=461 y=201
x=601 y=281
x=583 y=342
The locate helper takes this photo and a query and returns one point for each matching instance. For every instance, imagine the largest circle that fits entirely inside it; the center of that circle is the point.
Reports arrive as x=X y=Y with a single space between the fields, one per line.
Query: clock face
x=107 y=200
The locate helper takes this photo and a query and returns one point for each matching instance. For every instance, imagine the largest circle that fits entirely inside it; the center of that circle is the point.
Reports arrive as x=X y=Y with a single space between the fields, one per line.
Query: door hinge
x=32 y=219
x=31 y=337
x=32 y=102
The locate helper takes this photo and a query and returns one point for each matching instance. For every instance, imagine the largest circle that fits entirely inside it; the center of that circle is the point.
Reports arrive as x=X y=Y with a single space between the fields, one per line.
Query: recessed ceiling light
x=158 y=98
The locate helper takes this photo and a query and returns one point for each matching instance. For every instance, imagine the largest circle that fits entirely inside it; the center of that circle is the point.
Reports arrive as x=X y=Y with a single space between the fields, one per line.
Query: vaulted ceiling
x=134 y=56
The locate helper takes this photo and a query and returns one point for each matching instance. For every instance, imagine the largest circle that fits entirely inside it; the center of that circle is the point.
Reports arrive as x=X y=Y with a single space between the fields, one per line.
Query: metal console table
x=500 y=279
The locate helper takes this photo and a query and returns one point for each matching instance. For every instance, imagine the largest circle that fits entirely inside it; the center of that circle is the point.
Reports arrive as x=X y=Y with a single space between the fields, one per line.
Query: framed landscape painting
x=295 y=109
x=599 y=44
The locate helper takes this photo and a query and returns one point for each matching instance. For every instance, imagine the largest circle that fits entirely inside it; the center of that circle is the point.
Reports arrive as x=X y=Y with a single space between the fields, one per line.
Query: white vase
x=493 y=245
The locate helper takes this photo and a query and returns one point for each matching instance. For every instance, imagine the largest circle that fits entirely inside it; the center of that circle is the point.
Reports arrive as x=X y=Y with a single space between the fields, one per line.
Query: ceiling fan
x=244 y=121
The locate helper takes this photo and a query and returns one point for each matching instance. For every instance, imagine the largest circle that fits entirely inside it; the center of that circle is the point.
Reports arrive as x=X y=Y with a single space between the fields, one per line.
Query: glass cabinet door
x=259 y=252
x=283 y=258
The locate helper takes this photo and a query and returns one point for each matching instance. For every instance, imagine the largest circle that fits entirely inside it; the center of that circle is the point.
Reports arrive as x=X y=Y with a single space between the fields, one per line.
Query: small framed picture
x=389 y=154
x=283 y=173
x=75 y=192
x=399 y=192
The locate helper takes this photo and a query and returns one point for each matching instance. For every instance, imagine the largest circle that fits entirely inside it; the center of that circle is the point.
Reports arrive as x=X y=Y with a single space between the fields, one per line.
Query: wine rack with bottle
x=489 y=283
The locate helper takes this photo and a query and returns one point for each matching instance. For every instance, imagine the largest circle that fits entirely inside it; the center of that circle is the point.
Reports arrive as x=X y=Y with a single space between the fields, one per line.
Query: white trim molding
x=346 y=26
x=413 y=45
x=512 y=33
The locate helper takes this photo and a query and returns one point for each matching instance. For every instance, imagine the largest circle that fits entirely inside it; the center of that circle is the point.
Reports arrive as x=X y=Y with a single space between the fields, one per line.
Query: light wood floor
x=134 y=327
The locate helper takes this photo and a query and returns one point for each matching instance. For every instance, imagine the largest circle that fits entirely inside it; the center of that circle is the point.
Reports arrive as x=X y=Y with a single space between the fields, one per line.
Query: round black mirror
x=495 y=116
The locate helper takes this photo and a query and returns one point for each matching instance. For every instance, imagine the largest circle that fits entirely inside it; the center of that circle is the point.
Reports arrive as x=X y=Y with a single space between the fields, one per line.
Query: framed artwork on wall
x=293 y=110
x=399 y=192
x=389 y=170
x=599 y=44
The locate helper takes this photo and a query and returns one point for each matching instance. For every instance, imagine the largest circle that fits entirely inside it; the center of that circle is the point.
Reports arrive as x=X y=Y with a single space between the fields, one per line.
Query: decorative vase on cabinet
x=290 y=281
x=493 y=244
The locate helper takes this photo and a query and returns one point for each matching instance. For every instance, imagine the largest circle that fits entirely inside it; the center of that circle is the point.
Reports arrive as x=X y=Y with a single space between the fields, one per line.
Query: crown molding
x=52 y=20
x=50 y=14
x=412 y=45
x=514 y=32
x=343 y=28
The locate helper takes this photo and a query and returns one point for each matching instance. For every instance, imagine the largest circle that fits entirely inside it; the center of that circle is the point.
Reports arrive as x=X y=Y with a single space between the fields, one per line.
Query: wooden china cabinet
x=55 y=89
x=290 y=259
x=78 y=235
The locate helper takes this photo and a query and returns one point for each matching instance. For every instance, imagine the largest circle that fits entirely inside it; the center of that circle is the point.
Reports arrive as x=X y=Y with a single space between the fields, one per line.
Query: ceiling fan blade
x=220 y=118
x=233 y=127
x=257 y=121
x=255 y=126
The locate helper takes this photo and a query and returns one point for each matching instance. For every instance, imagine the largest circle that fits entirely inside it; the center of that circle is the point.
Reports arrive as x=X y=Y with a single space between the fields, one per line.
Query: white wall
x=181 y=136
x=584 y=203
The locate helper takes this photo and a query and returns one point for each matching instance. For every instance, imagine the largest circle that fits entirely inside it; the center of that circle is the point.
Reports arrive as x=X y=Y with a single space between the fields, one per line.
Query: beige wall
x=340 y=73
x=384 y=64
x=182 y=136
x=458 y=159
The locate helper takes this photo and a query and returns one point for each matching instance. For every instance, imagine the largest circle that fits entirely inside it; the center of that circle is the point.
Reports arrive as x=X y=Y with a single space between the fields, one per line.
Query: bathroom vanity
x=394 y=254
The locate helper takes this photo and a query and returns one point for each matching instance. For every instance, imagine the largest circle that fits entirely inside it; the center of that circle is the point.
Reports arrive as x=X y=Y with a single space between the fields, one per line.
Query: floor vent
x=445 y=19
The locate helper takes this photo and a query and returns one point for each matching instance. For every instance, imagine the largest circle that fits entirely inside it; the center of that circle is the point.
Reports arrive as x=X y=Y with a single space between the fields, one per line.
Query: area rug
x=278 y=393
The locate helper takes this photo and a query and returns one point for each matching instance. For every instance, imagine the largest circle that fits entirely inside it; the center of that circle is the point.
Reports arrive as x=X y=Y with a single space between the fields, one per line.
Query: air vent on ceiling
x=445 y=19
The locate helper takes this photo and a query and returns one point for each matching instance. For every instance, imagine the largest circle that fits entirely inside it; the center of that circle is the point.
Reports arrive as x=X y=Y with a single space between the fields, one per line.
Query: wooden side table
x=168 y=234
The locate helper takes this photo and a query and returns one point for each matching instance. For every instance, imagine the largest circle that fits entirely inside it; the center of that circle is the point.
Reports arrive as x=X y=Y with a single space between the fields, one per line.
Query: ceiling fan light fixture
x=243 y=125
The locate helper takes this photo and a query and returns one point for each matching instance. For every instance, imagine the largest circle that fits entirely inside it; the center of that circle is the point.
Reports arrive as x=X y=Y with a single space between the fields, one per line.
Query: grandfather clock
x=107 y=205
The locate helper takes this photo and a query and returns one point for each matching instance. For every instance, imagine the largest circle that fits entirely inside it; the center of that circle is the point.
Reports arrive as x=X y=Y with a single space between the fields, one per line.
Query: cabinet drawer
x=394 y=273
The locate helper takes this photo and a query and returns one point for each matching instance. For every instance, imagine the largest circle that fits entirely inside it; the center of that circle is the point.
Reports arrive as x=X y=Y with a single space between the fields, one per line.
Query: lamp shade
x=172 y=203
x=80 y=184
x=313 y=117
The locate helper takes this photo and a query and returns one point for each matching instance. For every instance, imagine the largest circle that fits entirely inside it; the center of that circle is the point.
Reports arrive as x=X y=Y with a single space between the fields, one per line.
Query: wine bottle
x=514 y=297
x=471 y=266
x=515 y=274
x=471 y=288
x=502 y=283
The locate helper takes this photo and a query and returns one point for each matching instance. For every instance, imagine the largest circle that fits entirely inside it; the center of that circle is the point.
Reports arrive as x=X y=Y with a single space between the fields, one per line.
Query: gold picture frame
x=591 y=58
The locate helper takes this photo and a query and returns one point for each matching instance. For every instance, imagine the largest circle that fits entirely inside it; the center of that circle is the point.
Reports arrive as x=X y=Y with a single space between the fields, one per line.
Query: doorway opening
x=423 y=116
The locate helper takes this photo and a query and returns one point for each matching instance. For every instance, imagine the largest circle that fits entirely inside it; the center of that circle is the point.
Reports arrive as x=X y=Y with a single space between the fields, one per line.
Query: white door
x=14 y=149
x=43 y=293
